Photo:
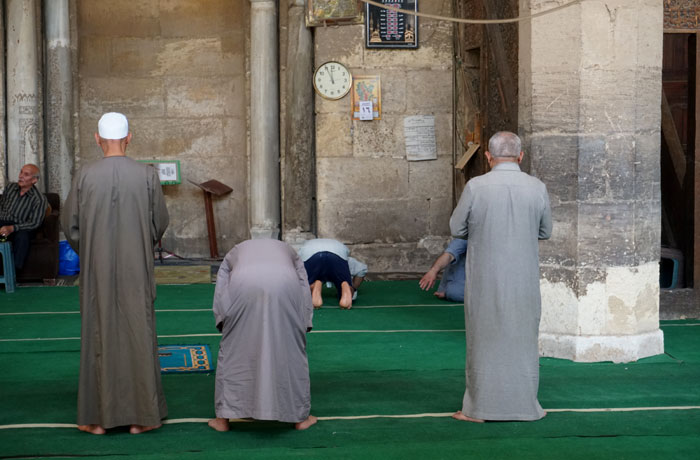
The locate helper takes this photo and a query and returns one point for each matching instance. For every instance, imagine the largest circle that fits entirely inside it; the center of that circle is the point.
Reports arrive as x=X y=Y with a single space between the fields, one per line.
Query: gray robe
x=114 y=213
x=262 y=305
x=503 y=214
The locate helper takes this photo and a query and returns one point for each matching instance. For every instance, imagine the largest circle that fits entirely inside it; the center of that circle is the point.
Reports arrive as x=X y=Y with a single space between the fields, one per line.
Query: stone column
x=3 y=110
x=24 y=120
x=59 y=98
x=589 y=90
x=298 y=175
x=264 y=121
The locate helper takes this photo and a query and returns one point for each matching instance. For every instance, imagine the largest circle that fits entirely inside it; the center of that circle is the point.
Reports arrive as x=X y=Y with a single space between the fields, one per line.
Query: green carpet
x=384 y=359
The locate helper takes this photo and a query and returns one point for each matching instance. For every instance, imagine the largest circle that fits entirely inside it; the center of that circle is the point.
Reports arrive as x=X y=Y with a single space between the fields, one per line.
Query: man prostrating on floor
x=262 y=306
x=328 y=260
x=503 y=213
x=114 y=214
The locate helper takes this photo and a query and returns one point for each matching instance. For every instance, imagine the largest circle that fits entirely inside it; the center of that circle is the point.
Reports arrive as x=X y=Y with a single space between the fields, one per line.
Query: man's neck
x=497 y=160
x=114 y=153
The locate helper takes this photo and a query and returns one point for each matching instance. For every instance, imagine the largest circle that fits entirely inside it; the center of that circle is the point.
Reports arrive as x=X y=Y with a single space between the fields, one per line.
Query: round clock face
x=332 y=80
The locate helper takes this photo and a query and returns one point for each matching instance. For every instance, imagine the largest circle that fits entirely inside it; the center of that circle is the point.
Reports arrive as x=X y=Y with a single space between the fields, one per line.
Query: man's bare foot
x=460 y=416
x=138 y=429
x=219 y=424
x=345 y=296
x=439 y=295
x=93 y=429
x=310 y=420
x=316 y=298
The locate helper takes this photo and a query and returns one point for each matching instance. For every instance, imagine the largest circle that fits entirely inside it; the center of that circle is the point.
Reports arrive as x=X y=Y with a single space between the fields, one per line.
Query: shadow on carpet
x=186 y=274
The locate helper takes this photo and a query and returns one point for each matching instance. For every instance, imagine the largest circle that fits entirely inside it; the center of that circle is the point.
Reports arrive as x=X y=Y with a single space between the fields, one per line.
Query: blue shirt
x=452 y=283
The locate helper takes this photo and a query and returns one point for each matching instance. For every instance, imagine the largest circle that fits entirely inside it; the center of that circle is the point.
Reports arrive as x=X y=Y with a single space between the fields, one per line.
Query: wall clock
x=332 y=80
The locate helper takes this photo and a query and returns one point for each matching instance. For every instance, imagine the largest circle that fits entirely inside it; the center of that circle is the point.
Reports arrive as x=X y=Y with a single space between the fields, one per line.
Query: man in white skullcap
x=113 y=216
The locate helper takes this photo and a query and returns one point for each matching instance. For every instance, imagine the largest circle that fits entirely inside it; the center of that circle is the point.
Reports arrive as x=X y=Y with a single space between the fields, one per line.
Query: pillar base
x=588 y=349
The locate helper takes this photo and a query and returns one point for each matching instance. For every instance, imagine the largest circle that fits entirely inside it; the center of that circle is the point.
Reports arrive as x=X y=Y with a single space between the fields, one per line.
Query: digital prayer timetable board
x=168 y=170
x=387 y=28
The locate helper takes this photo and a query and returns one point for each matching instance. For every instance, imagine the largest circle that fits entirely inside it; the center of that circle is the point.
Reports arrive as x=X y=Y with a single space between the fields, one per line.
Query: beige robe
x=114 y=214
x=503 y=214
x=262 y=305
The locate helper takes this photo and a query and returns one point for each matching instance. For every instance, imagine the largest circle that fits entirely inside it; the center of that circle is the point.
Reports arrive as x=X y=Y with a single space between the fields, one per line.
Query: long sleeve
x=304 y=286
x=70 y=215
x=159 y=212
x=546 y=220
x=222 y=299
x=458 y=222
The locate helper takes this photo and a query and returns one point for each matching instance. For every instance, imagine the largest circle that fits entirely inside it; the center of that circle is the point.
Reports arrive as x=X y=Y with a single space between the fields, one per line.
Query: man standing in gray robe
x=262 y=306
x=114 y=214
x=503 y=214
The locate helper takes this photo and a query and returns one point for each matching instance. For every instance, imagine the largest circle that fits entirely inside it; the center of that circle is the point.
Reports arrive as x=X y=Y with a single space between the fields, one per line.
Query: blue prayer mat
x=184 y=358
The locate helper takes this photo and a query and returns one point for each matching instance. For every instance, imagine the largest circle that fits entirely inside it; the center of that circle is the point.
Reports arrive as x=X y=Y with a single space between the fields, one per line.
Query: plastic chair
x=671 y=268
x=8 y=266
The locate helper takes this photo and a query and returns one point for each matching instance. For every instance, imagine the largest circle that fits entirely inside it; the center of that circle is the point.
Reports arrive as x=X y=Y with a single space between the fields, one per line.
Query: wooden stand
x=212 y=187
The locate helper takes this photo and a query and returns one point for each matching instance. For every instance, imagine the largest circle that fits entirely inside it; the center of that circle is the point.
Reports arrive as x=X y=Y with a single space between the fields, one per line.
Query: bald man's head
x=28 y=176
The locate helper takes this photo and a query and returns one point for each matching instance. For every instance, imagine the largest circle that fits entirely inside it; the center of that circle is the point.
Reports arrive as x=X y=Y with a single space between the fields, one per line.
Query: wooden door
x=679 y=183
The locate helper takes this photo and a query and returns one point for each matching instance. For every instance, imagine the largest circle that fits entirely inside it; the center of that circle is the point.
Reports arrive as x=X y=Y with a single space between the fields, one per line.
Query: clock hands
x=325 y=82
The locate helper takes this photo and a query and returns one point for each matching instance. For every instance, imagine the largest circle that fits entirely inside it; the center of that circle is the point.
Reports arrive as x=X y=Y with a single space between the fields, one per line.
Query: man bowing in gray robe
x=503 y=214
x=262 y=306
x=114 y=214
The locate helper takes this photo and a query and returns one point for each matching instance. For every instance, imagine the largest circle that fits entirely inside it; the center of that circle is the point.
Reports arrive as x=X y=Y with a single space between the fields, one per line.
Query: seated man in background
x=328 y=260
x=451 y=286
x=22 y=210
x=262 y=306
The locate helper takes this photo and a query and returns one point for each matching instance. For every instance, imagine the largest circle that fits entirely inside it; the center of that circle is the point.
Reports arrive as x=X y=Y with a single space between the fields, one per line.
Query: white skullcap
x=113 y=125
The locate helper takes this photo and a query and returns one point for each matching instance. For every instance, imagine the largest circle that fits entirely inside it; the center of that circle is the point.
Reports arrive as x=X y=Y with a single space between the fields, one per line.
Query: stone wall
x=392 y=213
x=177 y=69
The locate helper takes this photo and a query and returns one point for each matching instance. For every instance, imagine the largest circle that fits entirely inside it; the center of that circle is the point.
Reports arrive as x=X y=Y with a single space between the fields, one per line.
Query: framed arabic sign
x=168 y=170
x=388 y=28
x=333 y=12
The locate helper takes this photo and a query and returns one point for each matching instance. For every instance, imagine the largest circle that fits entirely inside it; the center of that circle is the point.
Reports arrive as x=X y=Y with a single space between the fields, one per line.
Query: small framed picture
x=333 y=12
x=168 y=170
x=388 y=28
x=366 y=97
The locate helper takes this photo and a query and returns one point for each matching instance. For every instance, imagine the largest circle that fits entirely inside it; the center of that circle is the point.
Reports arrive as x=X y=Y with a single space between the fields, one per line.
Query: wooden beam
x=467 y=156
x=673 y=141
x=508 y=91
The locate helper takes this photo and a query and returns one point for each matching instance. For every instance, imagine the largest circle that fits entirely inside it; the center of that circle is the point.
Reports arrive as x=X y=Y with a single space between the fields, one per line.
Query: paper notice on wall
x=366 y=110
x=419 y=135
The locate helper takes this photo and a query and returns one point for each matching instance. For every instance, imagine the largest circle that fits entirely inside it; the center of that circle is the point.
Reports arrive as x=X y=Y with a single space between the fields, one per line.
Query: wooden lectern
x=212 y=187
